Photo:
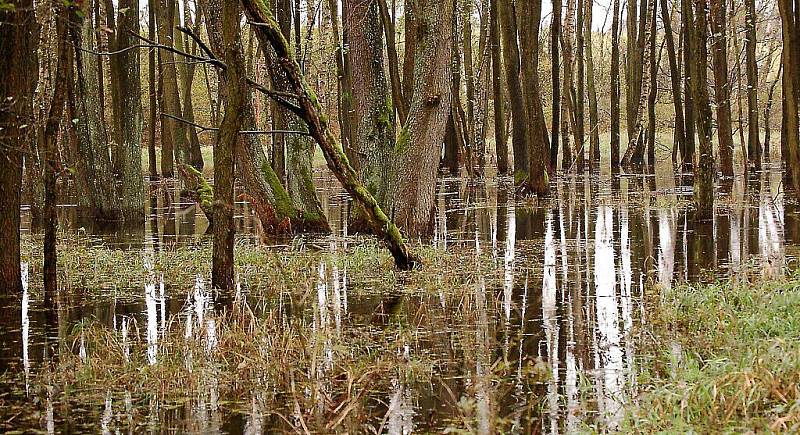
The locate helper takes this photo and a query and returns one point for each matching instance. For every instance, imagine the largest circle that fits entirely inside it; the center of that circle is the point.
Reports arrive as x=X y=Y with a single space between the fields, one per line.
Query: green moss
x=284 y=206
x=520 y=177
x=402 y=141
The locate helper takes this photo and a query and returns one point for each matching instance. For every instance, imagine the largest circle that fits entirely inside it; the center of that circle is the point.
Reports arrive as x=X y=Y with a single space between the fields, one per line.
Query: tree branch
x=204 y=129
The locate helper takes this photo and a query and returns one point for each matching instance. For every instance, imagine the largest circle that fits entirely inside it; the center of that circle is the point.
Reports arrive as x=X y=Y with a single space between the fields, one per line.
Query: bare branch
x=204 y=129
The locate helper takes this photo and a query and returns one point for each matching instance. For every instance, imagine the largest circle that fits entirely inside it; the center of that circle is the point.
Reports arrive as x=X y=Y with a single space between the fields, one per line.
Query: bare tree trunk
x=345 y=100
x=768 y=112
x=19 y=33
x=481 y=96
x=128 y=114
x=790 y=26
x=222 y=275
x=398 y=99
x=594 y=132
x=687 y=20
x=704 y=172
x=555 y=61
x=615 y=91
x=94 y=171
x=374 y=130
x=501 y=145
x=580 y=90
x=634 y=154
x=719 y=55
x=187 y=72
x=530 y=14
x=679 y=137
x=753 y=145
x=519 y=117
x=151 y=80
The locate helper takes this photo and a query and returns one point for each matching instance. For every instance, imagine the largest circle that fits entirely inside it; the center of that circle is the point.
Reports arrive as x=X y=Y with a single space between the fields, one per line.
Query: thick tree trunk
x=500 y=143
x=374 y=122
x=719 y=56
x=222 y=275
x=704 y=172
x=634 y=154
x=615 y=91
x=790 y=26
x=753 y=145
x=168 y=74
x=128 y=113
x=530 y=14
x=94 y=171
x=308 y=107
x=19 y=33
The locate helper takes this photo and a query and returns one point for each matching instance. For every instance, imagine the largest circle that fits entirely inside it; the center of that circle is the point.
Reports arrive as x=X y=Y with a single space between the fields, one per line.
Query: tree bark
x=719 y=56
x=790 y=26
x=594 y=129
x=634 y=154
x=519 y=117
x=753 y=145
x=398 y=99
x=222 y=275
x=615 y=91
x=555 y=62
x=679 y=138
x=19 y=33
x=580 y=90
x=704 y=172
x=501 y=145
x=687 y=20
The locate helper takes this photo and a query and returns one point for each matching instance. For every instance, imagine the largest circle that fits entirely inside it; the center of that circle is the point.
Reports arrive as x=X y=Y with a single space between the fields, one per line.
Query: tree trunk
x=344 y=78
x=501 y=145
x=704 y=172
x=687 y=20
x=374 y=122
x=555 y=61
x=634 y=154
x=790 y=26
x=398 y=99
x=519 y=117
x=580 y=90
x=187 y=71
x=615 y=91
x=19 y=33
x=530 y=14
x=152 y=94
x=128 y=113
x=481 y=96
x=753 y=145
x=421 y=138
x=222 y=275
x=675 y=77
x=169 y=79
x=594 y=129
x=719 y=55
x=94 y=171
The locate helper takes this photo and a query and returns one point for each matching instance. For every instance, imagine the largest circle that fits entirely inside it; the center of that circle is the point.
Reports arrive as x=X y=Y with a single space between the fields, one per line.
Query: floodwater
x=574 y=269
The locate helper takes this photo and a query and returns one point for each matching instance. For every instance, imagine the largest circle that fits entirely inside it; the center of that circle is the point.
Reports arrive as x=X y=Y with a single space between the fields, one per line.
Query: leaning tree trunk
x=704 y=172
x=307 y=107
x=270 y=199
x=719 y=56
x=19 y=33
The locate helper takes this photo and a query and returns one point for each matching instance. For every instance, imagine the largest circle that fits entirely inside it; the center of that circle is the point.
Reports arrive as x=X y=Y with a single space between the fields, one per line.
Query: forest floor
x=711 y=358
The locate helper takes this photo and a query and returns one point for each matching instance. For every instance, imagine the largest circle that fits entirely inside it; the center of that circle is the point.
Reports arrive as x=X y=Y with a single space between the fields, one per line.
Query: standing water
x=532 y=325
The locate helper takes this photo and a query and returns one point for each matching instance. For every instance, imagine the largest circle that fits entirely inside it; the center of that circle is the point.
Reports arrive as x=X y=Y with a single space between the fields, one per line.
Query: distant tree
x=722 y=87
x=704 y=172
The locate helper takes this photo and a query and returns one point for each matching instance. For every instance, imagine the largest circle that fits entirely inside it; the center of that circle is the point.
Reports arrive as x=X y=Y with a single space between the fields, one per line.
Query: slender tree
x=704 y=172
x=594 y=131
x=679 y=136
x=501 y=145
x=519 y=115
x=615 y=90
x=719 y=56
x=555 y=62
x=687 y=20
x=753 y=140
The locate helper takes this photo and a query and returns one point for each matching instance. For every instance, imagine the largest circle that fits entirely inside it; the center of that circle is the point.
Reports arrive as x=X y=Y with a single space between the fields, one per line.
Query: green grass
x=725 y=358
